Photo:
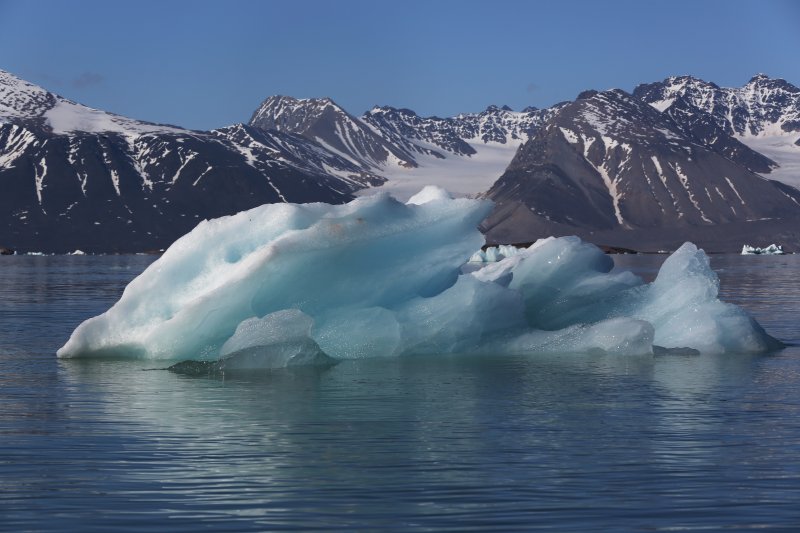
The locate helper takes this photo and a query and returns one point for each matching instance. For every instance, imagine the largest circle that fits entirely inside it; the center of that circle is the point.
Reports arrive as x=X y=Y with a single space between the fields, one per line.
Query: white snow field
x=781 y=147
x=286 y=284
x=462 y=175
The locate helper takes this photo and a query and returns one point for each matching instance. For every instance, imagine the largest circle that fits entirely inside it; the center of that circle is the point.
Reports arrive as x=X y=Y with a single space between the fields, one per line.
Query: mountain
x=680 y=159
x=609 y=162
x=323 y=121
x=456 y=135
x=464 y=154
x=764 y=114
x=74 y=177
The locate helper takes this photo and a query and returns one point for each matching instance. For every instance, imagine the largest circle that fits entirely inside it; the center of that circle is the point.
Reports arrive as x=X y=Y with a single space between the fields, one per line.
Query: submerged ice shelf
x=284 y=284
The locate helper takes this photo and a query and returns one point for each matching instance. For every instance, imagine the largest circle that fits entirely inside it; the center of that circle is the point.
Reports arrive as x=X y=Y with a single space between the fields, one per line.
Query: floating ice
x=493 y=254
x=284 y=285
x=772 y=249
x=278 y=340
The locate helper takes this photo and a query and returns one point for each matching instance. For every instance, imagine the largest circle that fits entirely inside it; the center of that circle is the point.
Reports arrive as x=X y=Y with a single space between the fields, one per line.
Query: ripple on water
x=553 y=443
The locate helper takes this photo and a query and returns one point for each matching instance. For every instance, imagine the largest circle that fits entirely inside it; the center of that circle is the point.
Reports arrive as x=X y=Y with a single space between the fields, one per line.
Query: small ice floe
x=772 y=249
x=78 y=252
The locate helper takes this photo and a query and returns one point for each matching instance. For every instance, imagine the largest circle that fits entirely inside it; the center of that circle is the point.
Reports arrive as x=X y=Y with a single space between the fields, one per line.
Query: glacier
x=284 y=285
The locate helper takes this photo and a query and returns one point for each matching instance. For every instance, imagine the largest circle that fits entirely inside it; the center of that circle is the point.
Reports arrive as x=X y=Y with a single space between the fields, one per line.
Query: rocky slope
x=465 y=154
x=74 y=177
x=611 y=162
x=764 y=114
x=675 y=159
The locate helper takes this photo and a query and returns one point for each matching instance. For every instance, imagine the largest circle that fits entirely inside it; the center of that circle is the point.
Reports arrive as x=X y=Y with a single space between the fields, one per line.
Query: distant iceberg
x=283 y=285
x=772 y=249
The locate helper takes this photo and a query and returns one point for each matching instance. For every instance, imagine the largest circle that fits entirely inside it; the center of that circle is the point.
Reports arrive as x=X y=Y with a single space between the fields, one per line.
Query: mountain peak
x=280 y=100
x=323 y=121
x=585 y=95
x=388 y=110
x=762 y=81
x=287 y=113
x=20 y=99
x=759 y=77
x=494 y=109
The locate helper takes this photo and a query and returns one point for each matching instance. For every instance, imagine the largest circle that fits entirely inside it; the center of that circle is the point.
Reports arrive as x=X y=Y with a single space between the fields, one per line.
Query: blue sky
x=208 y=64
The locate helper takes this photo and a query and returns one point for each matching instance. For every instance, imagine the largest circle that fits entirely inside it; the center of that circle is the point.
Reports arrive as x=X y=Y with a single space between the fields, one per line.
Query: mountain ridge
x=79 y=178
x=677 y=153
x=613 y=161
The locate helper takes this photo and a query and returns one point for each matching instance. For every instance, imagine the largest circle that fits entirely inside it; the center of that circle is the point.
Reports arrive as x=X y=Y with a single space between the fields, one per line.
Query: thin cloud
x=87 y=79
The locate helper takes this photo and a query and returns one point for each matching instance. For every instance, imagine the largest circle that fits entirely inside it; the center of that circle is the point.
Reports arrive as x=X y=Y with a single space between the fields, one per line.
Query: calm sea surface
x=569 y=443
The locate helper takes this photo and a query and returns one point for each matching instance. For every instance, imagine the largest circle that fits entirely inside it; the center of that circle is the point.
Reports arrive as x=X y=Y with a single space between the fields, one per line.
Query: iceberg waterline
x=286 y=284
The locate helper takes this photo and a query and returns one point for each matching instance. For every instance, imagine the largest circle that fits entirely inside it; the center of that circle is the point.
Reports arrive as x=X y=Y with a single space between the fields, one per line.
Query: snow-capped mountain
x=678 y=157
x=764 y=114
x=323 y=121
x=24 y=102
x=76 y=177
x=760 y=107
x=456 y=134
x=611 y=161
x=465 y=154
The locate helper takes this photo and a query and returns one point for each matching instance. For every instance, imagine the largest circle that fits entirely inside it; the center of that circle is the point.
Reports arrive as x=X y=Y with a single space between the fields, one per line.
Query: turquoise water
x=570 y=443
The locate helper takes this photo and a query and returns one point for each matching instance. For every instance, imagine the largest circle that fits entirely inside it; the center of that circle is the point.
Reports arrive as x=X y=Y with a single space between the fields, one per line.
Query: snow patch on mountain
x=22 y=100
x=764 y=114
x=67 y=117
x=783 y=149
x=460 y=175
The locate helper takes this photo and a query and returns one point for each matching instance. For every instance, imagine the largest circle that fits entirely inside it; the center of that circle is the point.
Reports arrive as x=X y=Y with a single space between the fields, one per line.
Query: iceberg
x=285 y=285
x=772 y=249
x=493 y=254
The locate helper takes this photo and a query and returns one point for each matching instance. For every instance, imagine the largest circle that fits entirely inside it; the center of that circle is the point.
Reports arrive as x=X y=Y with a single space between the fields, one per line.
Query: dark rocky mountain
x=79 y=178
x=762 y=105
x=609 y=162
x=681 y=159
x=494 y=125
x=703 y=129
x=764 y=114
x=386 y=135
x=465 y=154
x=322 y=120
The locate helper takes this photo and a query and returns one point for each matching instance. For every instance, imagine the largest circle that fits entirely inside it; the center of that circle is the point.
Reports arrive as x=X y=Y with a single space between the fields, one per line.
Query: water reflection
x=432 y=438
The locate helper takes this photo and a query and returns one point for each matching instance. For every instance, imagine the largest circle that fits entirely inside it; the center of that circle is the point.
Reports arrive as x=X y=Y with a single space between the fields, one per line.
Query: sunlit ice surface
x=286 y=285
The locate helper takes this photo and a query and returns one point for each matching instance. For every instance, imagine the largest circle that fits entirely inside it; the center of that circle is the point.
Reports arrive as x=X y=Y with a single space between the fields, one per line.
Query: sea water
x=564 y=442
